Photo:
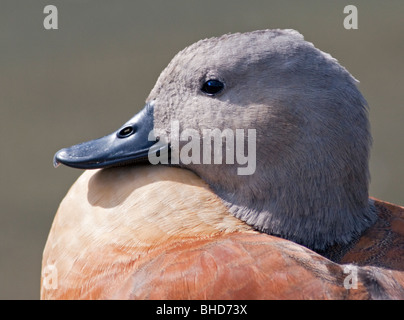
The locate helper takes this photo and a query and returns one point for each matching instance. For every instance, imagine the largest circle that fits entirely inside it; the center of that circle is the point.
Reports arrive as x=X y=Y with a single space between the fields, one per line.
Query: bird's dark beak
x=133 y=142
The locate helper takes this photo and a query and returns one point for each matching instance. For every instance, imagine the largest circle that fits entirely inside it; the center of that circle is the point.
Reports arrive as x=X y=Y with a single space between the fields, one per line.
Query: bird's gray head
x=311 y=178
x=304 y=114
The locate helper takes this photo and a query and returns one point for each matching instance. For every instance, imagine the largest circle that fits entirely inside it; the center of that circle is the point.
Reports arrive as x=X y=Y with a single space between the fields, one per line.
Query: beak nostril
x=126 y=132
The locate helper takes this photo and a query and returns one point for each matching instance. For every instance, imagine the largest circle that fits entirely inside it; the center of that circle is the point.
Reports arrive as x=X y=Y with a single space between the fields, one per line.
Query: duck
x=170 y=207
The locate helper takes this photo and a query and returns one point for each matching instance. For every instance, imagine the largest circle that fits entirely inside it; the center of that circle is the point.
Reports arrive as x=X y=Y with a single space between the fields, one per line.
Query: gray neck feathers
x=316 y=217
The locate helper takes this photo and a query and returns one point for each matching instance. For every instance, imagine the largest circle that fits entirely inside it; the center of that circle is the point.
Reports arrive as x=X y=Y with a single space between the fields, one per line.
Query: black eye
x=212 y=86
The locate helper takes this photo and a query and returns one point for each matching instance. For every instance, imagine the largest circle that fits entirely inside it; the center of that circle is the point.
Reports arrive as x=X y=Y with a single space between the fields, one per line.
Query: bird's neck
x=314 y=217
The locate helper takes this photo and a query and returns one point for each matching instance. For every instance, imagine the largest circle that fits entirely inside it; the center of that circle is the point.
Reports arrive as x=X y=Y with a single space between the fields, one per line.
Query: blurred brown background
x=84 y=80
